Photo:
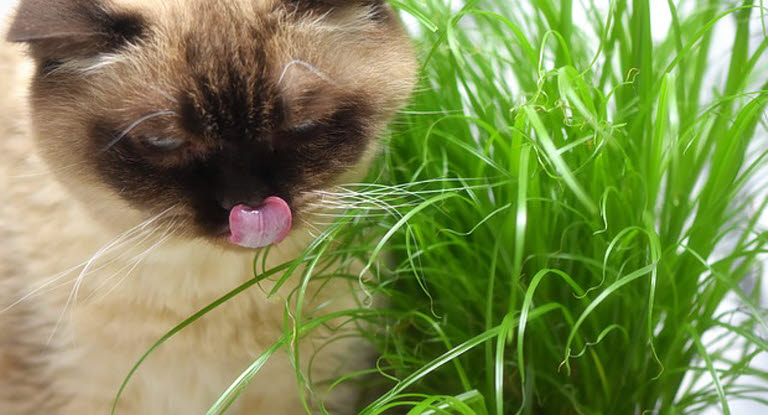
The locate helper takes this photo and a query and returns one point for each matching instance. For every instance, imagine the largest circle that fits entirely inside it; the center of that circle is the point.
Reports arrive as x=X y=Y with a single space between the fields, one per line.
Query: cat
x=148 y=150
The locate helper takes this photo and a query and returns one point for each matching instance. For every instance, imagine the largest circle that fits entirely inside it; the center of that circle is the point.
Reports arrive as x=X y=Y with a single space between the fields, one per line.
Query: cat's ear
x=76 y=27
x=39 y=20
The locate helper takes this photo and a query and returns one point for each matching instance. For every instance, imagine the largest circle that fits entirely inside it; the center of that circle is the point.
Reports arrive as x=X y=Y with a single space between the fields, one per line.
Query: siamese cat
x=148 y=150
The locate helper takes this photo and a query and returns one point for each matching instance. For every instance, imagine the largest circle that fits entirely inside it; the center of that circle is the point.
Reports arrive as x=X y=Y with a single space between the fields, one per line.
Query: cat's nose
x=229 y=202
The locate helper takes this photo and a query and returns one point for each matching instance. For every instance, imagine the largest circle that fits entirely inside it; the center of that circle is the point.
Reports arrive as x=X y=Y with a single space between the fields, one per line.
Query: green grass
x=563 y=220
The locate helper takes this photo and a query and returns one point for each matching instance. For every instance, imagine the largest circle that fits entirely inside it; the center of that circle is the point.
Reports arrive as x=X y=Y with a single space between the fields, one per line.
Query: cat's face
x=218 y=110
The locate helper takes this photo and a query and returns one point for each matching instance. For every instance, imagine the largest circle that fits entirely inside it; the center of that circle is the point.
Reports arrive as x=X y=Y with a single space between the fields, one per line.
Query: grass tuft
x=565 y=220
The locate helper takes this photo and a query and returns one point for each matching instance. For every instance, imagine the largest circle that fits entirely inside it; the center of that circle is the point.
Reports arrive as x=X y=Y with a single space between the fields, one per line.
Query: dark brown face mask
x=231 y=116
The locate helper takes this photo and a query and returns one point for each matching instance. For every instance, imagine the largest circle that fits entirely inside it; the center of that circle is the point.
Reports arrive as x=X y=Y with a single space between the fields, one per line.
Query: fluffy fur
x=94 y=268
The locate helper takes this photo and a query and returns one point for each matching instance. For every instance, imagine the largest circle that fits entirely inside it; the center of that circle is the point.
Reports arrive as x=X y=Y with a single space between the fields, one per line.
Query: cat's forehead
x=303 y=59
x=347 y=40
x=266 y=48
x=232 y=55
x=263 y=35
x=159 y=8
x=172 y=17
x=223 y=13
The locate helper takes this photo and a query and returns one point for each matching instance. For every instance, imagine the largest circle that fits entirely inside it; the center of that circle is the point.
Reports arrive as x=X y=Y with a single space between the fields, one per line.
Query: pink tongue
x=261 y=226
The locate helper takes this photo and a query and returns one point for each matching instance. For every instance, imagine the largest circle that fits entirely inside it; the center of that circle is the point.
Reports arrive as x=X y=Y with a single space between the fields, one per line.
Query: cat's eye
x=305 y=128
x=162 y=143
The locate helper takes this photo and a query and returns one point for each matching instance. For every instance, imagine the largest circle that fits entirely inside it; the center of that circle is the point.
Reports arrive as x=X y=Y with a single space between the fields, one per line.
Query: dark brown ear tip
x=16 y=36
x=24 y=29
x=13 y=35
x=24 y=25
x=72 y=27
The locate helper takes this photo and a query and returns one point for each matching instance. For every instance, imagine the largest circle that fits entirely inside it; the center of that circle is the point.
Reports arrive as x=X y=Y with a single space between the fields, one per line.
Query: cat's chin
x=223 y=240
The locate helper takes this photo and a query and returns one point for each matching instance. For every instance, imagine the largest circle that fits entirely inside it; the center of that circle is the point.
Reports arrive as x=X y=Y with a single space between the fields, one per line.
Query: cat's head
x=226 y=113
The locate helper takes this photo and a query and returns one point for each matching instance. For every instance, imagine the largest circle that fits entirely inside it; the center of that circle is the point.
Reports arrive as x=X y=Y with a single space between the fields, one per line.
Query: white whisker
x=138 y=259
x=146 y=237
x=45 y=172
x=312 y=228
x=126 y=237
x=306 y=65
x=136 y=124
x=42 y=286
x=165 y=95
x=117 y=243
